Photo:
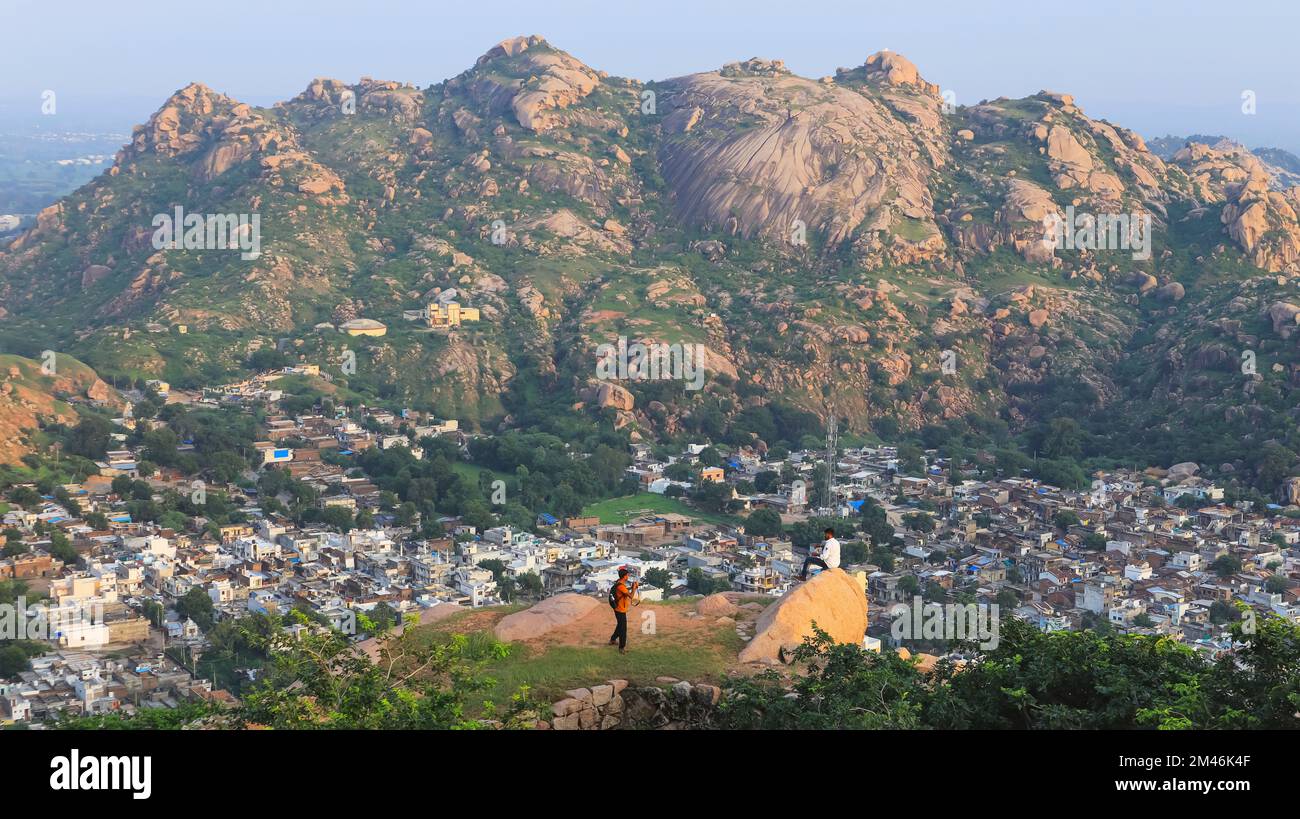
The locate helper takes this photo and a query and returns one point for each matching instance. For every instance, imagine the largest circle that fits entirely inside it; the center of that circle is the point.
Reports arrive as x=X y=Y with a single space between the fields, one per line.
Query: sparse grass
x=697 y=654
x=913 y=230
x=551 y=672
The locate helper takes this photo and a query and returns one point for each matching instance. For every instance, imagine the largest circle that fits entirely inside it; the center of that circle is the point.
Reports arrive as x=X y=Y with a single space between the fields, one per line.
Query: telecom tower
x=832 y=444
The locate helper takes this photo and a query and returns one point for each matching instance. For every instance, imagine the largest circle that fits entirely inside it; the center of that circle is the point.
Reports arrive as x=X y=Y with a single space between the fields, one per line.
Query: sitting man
x=827 y=556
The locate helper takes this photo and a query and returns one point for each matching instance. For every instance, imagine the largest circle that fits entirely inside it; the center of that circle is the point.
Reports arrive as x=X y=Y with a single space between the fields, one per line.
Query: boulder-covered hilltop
x=821 y=239
x=41 y=391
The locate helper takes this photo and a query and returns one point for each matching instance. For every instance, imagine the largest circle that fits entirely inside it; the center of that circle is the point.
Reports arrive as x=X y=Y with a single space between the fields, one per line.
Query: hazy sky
x=1157 y=67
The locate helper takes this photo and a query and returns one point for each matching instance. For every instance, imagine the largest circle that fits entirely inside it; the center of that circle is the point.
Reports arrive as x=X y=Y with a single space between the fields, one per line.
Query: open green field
x=621 y=510
x=470 y=471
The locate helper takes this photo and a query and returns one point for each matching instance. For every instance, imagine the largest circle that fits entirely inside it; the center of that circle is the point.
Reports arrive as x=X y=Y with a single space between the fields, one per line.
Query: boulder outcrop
x=834 y=600
x=551 y=613
x=716 y=605
x=774 y=158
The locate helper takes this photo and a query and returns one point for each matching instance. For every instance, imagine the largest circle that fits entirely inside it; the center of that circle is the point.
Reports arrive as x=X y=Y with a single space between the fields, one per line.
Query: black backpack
x=613 y=595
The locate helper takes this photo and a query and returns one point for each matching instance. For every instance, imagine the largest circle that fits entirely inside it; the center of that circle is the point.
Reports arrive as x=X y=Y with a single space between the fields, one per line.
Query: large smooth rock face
x=835 y=600
x=754 y=148
x=551 y=613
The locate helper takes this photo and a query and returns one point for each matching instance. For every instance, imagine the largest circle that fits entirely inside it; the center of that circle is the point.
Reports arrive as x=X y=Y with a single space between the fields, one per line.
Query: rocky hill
x=826 y=240
x=33 y=393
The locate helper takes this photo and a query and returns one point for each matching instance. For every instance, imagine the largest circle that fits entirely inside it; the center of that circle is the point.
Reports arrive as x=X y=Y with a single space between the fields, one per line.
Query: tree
x=1094 y=541
x=383 y=616
x=712 y=496
x=506 y=586
x=1226 y=565
x=697 y=581
x=25 y=496
x=911 y=460
x=1222 y=612
x=883 y=558
x=338 y=517
x=1063 y=439
x=1272 y=465
x=608 y=465
x=531 y=584
x=679 y=471
x=1276 y=584
x=89 y=438
x=160 y=446
x=805 y=533
x=226 y=467
x=1062 y=472
x=919 y=522
x=1011 y=462
x=767 y=481
x=1065 y=518
x=875 y=523
x=497 y=567
x=267 y=358
x=1063 y=680
x=61 y=549
x=763 y=523
x=197 y=606
x=843 y=687
x=155 y=613
x=320 y=681
x=659 y=578
x=854 y=551
x=14 y=660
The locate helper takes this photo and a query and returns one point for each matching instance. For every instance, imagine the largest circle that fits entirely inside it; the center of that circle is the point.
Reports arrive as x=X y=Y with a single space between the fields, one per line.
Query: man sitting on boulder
x=620 y=596
x=827 y=556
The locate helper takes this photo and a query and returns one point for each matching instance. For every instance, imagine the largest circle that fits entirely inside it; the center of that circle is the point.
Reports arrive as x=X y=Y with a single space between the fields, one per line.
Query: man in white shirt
x=828 y=556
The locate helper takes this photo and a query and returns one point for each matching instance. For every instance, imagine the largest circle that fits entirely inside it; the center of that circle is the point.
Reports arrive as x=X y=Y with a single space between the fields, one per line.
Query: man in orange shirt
x=622 y=594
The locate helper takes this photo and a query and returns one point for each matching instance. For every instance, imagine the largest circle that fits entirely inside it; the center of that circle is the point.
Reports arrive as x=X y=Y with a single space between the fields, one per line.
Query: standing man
x=620 y=597
x=828 y=556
